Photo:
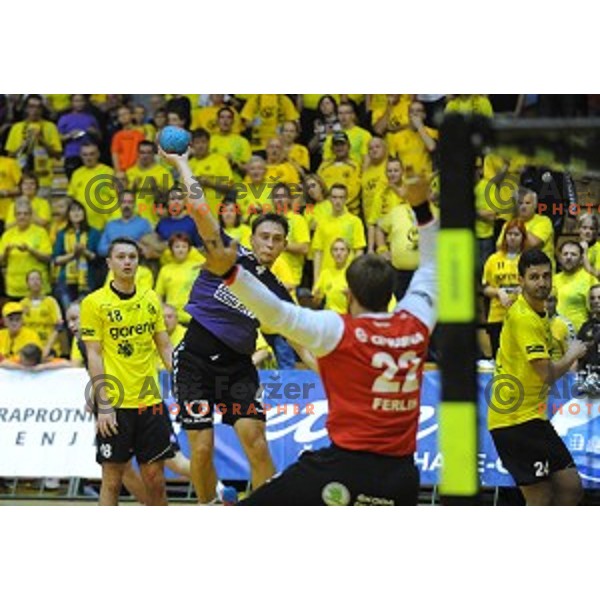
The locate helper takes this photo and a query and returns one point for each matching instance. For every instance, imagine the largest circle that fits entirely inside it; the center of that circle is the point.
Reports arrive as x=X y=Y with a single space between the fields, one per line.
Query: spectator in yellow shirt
x=478 y=104
x=235 y=148
x=540 y=233
x=296 y=154
x=59 y=209
x=397 y=239
x=141 y=123
x=342 y=169
x=562 y=330
x=263 y=113
x=573 y=284
x=10 y=176
x=415 y=145
x=16 y=335
x=175 y=279
x=374 y=181
x=35 y=142
x=230 y=220
x=316 y=202
x=207 y=117
x=24 y=248
x=341 y=224
x=41 y=313
x=332 y=284
x=393 y=116
x=255 y=194
x=212 y=170
x=279 y=170
x=358 y=137
x=175 y=329
x=40 y=206
x=298 y=237
x=94 y=185
x=392 y=195
x=588 y=240
x=501 y=279
x=150 y=181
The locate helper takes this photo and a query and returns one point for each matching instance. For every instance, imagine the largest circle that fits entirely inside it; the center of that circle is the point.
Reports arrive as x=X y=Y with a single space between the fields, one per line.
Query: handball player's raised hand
x=220 y=258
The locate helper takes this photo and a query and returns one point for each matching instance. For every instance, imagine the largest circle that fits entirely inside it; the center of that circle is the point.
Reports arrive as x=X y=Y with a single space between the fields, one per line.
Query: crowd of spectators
x=77 y=171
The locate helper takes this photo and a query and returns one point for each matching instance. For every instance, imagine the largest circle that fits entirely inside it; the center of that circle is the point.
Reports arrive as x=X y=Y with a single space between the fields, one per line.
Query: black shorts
x=336 y=477
x=141 y=433
x=223 y=382
x=531 y=451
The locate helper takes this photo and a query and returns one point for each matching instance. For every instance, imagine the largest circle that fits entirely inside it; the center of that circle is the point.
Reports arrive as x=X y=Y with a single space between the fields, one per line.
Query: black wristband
x=423 y=213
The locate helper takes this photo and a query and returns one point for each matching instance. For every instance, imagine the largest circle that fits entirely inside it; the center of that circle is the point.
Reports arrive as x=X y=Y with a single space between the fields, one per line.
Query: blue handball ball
x=174 y=140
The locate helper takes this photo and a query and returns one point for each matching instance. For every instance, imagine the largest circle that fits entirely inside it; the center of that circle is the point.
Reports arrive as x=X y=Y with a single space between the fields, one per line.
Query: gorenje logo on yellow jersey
x=129 y=330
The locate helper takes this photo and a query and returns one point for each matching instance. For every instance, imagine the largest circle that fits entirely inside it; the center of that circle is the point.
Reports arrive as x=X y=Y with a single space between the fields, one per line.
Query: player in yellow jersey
x=78 y=358
x=122 y=328
x=526 y=441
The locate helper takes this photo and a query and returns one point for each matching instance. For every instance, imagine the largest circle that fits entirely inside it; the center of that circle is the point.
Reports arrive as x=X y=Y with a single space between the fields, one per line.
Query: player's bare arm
x=106 y=423
x=164 y=348
x=550 y=371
